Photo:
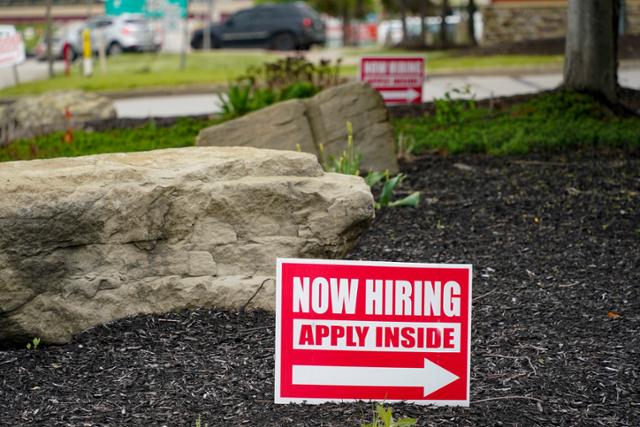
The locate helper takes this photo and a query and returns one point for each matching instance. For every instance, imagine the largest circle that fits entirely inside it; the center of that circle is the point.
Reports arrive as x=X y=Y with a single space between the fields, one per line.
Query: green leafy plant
x=348 y=162
x=389 y=188
x=285 y=72
x=33 y=345
x=298 y=90
x=383 y=417
x=405 y=146
x=283 y=79
x=237 y=101
x=375 y=177
x=550 y=122
x=451 y=108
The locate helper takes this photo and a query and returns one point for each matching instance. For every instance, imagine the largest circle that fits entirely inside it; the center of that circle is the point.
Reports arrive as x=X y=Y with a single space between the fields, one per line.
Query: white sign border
x=278 y=399
x=424 y=58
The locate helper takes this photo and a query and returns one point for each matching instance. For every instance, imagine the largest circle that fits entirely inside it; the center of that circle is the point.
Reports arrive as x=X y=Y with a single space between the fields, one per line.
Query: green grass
x=438 y=62
x=441 y=60
x=133 y=71
x=148 y=137
x=553 y=122
x=148 y=70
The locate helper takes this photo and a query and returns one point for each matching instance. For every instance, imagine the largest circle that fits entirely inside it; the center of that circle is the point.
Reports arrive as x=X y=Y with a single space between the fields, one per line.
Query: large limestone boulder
x=90 y=239
x=35 y=115
x=306 y=124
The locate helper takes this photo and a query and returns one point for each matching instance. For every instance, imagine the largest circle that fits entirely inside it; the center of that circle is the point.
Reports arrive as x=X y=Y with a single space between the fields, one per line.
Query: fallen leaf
x=613 y=315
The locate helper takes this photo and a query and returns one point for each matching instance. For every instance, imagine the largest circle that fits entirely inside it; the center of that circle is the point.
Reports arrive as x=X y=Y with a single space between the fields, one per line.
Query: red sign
x=355 y=330
x=398 y=78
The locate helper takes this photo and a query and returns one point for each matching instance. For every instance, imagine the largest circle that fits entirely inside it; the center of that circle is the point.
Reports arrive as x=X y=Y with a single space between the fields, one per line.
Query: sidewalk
x=28 y=71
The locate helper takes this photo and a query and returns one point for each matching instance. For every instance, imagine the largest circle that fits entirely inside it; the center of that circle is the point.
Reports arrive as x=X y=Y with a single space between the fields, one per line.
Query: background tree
x=423 y=10
x=402 y=8
x=444 y=12
x=414 y=7
x=591 y=60
x=471 y=10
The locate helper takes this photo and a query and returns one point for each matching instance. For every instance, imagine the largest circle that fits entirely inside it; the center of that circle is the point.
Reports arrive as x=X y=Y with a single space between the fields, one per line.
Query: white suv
x=127 y=32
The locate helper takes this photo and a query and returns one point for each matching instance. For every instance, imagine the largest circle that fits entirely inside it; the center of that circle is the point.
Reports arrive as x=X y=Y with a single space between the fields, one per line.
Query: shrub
x=551 y=122
x=349 y=163
x=286 y=78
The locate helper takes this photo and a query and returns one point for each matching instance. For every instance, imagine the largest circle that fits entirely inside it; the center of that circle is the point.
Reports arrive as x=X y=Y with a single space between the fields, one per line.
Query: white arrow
x=431 y=377
x=407 y=94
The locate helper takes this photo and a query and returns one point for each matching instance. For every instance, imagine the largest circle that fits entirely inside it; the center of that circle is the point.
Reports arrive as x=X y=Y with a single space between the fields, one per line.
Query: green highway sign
x=149 y=8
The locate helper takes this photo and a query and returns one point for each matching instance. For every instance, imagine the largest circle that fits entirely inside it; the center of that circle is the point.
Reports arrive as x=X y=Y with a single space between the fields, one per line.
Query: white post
x=206 y=34
x=16 y=80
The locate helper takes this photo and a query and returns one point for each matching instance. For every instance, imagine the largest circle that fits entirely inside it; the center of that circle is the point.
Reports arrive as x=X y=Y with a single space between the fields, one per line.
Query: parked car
x=278 y=26
x=128 y=32
x=69 y=34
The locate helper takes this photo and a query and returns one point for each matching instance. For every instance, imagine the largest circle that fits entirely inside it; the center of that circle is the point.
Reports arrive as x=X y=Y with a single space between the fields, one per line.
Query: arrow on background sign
x=431 y=377
x=405 y=95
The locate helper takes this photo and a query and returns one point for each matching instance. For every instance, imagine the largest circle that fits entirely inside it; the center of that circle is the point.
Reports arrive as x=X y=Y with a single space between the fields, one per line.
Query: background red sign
x=398 y=79
x=351 y=330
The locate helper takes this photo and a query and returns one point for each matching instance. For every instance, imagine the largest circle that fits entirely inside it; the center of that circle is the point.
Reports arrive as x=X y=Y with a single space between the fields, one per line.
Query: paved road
x=164 y=106
x=435 y=87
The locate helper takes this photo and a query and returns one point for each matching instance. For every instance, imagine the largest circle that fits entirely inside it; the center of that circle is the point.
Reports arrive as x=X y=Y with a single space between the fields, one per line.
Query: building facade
x=33 y=11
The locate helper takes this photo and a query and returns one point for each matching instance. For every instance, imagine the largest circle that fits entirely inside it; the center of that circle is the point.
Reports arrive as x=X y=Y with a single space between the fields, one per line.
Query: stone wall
x=516 y=21
x=632 y=22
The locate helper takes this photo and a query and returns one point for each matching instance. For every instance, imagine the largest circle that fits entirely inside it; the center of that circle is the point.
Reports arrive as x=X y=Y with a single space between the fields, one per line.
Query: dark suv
x=278 y=26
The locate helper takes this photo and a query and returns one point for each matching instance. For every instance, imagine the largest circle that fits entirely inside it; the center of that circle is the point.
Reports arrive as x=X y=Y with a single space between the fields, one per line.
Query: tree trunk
x=346 y=24
x=591 y=59
x=471 y=11
x=423 y=24
x=403 y=19
x=443 y=24
x=49 y=35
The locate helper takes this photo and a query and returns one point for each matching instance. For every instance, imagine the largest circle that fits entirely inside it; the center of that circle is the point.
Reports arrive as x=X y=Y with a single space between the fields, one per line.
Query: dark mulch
x=555 y=245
